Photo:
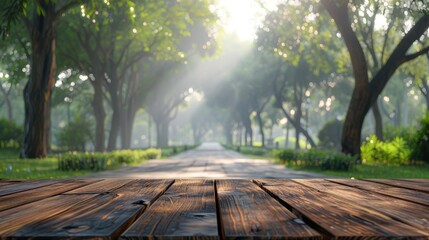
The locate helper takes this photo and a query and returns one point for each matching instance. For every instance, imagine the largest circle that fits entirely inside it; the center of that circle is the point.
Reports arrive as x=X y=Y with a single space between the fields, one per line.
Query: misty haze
x=337 y=89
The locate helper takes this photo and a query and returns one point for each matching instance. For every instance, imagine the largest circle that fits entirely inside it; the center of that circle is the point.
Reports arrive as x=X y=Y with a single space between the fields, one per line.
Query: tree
x=40 y=19
x=133 y=35
x=366 y=92
x=162 y=102
x=297 y=38
x=75 y=134
x=14 y=58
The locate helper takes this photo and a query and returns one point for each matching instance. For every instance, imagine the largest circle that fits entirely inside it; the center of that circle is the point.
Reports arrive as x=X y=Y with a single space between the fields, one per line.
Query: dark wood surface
x=215 y=209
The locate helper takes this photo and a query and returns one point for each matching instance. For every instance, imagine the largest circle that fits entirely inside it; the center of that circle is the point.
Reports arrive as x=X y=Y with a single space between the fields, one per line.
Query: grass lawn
x=359 y=171
x=12 y=167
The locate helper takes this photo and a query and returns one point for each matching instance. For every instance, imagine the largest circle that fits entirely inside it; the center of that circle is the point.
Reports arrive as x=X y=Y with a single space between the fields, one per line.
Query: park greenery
x=331 y=84
x=74 y=164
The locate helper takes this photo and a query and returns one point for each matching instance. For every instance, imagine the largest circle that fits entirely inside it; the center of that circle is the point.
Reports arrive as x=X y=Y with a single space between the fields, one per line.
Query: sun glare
x=242 y=17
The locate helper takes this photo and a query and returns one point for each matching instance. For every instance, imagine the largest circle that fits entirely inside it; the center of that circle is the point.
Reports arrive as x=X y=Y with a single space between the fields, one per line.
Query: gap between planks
x=220 y=229
x=325 y=234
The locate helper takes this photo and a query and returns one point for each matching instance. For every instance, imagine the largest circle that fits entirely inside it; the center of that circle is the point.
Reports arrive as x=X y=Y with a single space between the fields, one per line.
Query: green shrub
x=10 y=134
x=330 y=134
x=376 y=152
x=173 y=150
x=405 y=132
x=104 y=161
x=74 y=135
x=153 y=153
x=327 y=160
x=256 y=151
x=87 y=161
x=420 y=143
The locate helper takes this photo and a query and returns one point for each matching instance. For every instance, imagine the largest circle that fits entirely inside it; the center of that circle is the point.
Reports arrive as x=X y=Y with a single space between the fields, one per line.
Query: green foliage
x=75 y=134
x=10 y=134
x=291 y=143
x=173 y=150
x=104 y=161
x=135 y=156
x=420 y=142
x=376 y=152
x=326 y=160
x=255 y=151
x=12 y=167
x=87 y=161
x=330 y=134
x=405 y=132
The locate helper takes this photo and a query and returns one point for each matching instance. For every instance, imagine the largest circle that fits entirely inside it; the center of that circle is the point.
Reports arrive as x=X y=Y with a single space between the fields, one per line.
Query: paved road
x=210 y=160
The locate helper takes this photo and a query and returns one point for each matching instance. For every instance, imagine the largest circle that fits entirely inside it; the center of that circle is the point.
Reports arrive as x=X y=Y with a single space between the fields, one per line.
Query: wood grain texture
x=35 y=194
x=336 y=217
x=103 y=186
x=186 y=211
x=248 y=212
x=422 y=185
x=410 y=213
x=23 y=186
x=104 y=216
x=396 y=192
x=20 y=217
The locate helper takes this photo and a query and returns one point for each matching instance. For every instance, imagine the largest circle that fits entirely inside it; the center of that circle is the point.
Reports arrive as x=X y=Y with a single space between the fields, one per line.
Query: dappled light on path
x=210 y=160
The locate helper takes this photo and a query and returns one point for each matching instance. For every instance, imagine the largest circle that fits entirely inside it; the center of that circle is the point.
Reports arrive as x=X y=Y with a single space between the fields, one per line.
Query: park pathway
x=209 y=160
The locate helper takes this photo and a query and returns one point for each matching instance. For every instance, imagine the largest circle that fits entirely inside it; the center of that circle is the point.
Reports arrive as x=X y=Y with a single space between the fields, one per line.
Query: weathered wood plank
x=186 y=211
x=101 y=187
x=422 y=186
x=104 y=216
x=35 y=194
x=401 y=193
x=248 y=212
x=422 y=180
x=336 y=217
x=23 y=186
x=18 y=217
x=3 y=183
x=410 y=213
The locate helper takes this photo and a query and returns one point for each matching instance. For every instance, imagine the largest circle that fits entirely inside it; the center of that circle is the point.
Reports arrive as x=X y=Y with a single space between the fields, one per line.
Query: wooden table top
x=214 y=209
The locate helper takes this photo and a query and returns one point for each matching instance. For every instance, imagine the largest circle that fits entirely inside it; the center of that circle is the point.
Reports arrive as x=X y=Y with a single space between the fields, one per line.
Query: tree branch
x=67 y=6
x=412 y=56
x=398 y=57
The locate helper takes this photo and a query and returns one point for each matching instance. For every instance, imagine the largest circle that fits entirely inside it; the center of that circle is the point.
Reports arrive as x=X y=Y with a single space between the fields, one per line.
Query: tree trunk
x=261 y=127
x=7 y=102
x=366 y=93
x=297 y=147
x=378 y=121
x=248 y=135
x=358 y=108
x=115 y=99
x=149 y=133
x=99 y=113
x=227 y=131
x=37 y=91
x=162 y=134
x=359 y=103
x=398 y=114
x=127 y=125
x=287 y=137
x=48 y=128
x=296 y=125
x=297 y=131
x=424 y=89
x=114 y=128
